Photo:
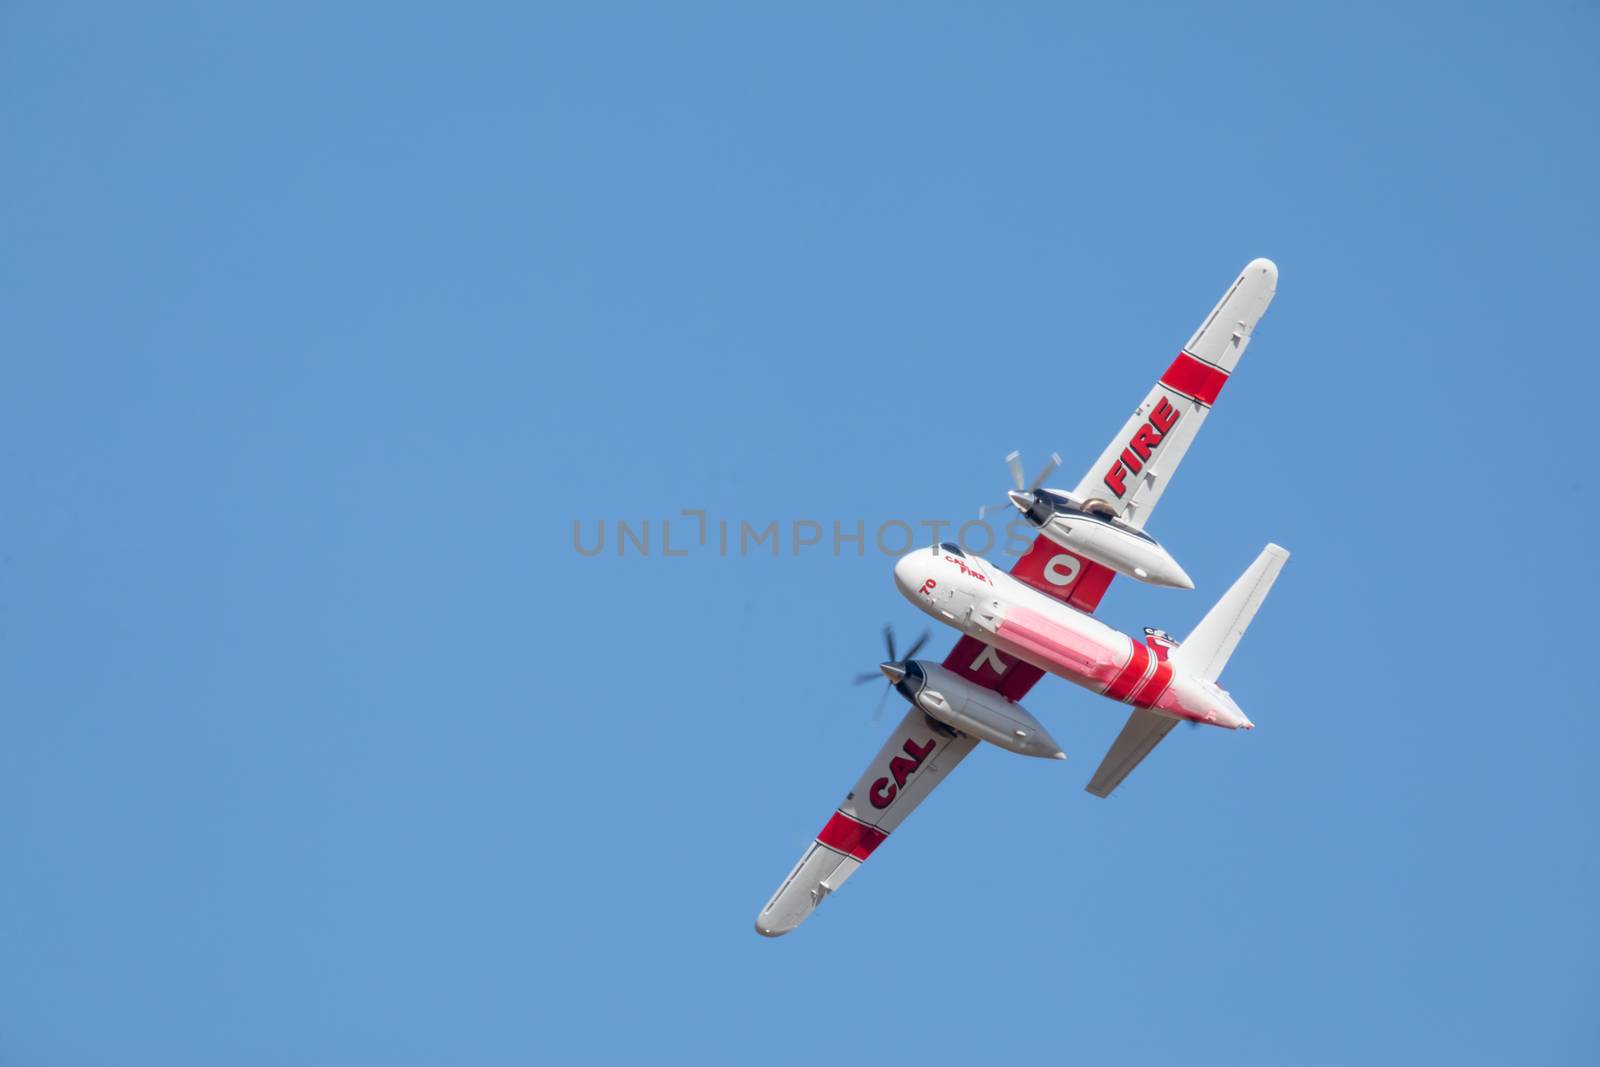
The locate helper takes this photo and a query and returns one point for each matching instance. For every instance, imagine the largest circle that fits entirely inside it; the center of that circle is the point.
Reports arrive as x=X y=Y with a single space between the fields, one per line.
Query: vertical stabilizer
x=1205 y=651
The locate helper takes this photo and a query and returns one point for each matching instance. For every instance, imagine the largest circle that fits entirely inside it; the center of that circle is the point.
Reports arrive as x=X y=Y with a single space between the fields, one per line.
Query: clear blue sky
x=321 y=327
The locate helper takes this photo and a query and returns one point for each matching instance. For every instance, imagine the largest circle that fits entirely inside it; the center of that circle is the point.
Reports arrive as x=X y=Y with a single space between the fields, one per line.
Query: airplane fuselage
x=986 y=603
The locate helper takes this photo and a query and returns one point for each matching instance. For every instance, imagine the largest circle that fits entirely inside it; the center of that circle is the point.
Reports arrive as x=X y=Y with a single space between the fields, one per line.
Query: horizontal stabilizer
x=1143 y=733
x=1205 y=651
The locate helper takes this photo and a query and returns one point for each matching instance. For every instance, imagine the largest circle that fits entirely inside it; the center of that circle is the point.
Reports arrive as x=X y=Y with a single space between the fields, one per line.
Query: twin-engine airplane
x=1038 y=619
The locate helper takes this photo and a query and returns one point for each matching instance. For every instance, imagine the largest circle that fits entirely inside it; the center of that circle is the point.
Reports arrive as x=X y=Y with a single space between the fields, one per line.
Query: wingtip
x=1264 y=265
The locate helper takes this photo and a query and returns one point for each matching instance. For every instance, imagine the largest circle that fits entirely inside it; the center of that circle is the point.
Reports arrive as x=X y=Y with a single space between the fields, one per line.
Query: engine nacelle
x=1092 y=530
x=972 y=709
x=1122 y=548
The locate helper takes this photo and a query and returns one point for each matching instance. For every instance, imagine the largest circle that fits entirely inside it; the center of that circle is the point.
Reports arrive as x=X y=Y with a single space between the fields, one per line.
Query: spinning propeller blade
x=896 y=662
x=1014 y=461
x=1046 y=471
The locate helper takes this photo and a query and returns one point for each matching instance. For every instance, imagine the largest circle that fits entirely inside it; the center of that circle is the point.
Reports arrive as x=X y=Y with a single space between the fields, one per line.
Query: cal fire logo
x=1141 y=445
x=883 y=791
x=968 y=571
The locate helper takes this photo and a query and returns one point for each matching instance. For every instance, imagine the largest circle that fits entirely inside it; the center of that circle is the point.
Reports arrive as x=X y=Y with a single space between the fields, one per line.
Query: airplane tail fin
x=1206 y=650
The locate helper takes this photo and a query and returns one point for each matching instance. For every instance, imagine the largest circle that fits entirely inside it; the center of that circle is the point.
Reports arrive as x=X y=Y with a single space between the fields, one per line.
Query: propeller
x=892 y=668
x=1014 y=461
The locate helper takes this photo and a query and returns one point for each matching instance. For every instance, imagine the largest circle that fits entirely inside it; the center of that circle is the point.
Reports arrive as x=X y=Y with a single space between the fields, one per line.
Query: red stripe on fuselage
x=844 y=834
x=1150 y=692
x=1131 y=675
x=1193 y=378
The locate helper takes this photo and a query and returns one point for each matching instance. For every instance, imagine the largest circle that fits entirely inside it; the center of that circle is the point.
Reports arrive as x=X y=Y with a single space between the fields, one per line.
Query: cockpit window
x=952 y=548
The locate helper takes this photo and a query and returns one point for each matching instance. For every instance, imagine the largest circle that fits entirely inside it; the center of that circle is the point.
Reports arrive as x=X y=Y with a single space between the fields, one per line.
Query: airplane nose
x=906 y=573
x=1022 y=501
x=892 y=671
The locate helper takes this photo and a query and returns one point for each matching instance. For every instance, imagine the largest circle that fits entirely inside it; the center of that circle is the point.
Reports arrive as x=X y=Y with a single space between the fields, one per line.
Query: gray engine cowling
x=972 y=709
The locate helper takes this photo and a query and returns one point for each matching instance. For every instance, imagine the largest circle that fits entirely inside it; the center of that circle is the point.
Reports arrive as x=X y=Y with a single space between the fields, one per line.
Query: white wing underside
x=1189 y=386
x=859 y=825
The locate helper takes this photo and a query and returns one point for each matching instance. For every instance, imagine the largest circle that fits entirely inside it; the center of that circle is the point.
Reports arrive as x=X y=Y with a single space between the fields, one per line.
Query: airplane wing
x=916 y=758
x=919 y=754
x=1143 y=732
x=1133 y=471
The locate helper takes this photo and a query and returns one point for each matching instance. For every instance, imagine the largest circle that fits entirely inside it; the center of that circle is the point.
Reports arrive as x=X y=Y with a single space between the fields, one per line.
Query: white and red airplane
x=1038 y=619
